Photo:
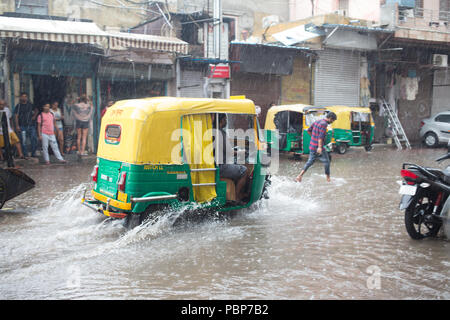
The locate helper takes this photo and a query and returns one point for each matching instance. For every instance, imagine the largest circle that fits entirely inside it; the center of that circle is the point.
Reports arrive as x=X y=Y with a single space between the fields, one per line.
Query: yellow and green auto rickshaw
x=287 y=127
x=160 y=152
x=354 y=127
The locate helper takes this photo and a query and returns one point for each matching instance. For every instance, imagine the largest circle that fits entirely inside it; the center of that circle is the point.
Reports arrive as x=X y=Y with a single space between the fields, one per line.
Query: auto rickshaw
x=13 y=182
x=292 y=123
x=160 y=152
x=354 y=127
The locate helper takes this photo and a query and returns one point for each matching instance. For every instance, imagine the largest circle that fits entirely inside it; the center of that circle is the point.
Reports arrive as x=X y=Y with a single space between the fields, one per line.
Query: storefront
x=59 y=60
x=53 y=60
x=139 y=66
x=260 y=71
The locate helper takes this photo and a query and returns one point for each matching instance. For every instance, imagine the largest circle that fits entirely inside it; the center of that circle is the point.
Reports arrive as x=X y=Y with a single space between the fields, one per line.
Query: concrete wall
x=250 y=15
x=296 y=88
x=357 y=9
x=411 y=112
x=103 y=12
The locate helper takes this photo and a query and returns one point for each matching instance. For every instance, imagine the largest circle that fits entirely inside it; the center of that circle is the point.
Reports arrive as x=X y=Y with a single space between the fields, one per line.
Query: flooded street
x=311 y=240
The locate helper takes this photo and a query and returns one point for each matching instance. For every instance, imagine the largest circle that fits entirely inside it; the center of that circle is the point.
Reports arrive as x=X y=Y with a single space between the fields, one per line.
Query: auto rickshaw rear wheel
x=153 y=211
x=2 y=192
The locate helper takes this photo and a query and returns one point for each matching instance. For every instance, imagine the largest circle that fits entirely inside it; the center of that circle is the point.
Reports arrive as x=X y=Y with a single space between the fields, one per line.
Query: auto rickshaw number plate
x=122 y=196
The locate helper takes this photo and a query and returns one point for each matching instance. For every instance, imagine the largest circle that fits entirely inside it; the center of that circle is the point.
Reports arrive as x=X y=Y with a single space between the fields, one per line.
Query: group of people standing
x=45 y=124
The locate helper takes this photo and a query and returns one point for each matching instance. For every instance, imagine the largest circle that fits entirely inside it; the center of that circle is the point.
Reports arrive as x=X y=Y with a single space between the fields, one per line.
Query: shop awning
x=122 y=41
x=85 y=33
x=52 y=30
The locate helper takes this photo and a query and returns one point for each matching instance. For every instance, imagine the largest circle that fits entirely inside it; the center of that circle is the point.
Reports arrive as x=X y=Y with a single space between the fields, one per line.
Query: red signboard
x=219 y=71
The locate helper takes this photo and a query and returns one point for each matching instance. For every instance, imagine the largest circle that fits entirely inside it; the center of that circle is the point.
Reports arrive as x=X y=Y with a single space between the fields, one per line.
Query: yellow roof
x=269 y=124
x=337 y=109
x=343 y=115
x=183 y=106
x=150 y=127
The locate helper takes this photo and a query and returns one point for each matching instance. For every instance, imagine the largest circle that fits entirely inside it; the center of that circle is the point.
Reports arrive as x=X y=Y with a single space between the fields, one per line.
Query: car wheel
x=431 y=140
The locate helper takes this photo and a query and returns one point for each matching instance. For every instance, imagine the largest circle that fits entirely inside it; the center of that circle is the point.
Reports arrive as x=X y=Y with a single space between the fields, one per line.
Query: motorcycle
x=425 y=198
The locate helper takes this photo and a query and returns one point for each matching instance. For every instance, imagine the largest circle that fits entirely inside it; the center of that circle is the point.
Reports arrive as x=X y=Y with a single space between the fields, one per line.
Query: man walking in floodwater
x=318 y=132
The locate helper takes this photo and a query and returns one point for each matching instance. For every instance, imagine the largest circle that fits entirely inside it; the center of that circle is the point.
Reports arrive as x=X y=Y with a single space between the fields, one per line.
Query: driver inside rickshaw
x=225 y=158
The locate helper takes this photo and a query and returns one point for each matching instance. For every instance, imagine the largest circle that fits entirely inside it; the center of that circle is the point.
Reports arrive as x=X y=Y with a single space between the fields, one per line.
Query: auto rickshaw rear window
x=112 y=133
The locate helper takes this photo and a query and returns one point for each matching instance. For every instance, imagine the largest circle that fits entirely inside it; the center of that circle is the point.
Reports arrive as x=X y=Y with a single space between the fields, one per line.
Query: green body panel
x=353 y=138
x=156 y=180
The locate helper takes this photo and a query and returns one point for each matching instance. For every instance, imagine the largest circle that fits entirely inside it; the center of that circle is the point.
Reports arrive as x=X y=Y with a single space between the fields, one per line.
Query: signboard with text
x=219 y=71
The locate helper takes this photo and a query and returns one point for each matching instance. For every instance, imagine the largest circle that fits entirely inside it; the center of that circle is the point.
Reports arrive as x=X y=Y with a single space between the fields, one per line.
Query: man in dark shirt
x=318 y=132
x=24 y=117
x=225 y=158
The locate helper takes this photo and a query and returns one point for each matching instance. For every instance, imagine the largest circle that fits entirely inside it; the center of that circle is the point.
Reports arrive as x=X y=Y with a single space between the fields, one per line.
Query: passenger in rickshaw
x=225 y=158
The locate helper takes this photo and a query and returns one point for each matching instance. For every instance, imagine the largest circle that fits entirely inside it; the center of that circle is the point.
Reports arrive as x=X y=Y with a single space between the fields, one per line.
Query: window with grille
x=444 y=8
x=32 y=6
x=418 y=10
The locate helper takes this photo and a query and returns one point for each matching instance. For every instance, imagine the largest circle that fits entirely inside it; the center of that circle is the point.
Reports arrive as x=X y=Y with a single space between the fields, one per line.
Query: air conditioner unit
x=341 y=12
x=440 y=60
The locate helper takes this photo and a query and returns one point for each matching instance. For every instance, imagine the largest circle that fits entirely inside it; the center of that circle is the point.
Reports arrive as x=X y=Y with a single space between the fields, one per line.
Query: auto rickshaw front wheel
x=342 y=148
x=368 y=147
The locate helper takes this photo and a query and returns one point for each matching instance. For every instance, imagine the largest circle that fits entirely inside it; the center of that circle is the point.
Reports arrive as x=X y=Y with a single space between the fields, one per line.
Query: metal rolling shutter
x=337 y=78
x=441 y=91
x=191 y=84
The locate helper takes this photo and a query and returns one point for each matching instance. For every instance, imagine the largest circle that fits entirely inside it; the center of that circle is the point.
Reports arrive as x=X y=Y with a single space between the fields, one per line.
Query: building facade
x=59 y=58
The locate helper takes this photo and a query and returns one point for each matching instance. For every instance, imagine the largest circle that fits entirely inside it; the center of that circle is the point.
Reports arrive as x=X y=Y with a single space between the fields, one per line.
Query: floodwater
x=310 y=240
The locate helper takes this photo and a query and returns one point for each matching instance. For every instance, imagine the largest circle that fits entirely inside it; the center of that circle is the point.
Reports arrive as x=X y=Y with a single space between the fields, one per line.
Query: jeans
x=323 y=157
x=29 y=131
x=50 y=139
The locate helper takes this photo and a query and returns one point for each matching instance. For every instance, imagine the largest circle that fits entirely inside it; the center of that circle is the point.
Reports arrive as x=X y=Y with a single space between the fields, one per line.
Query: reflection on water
x=314 y=240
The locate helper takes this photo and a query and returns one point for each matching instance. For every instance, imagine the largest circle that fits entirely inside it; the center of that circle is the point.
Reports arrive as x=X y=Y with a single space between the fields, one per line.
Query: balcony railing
x=419 y=17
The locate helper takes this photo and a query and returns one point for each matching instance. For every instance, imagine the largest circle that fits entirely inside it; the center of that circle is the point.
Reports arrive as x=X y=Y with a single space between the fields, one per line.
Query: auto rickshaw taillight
x=94 y=173
x=121 y=183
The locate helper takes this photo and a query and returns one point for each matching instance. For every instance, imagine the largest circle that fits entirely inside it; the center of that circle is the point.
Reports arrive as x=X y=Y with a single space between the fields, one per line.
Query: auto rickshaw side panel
x=148 y=180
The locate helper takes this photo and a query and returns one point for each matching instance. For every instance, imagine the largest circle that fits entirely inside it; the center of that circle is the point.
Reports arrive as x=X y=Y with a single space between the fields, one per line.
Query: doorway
x=48 y=89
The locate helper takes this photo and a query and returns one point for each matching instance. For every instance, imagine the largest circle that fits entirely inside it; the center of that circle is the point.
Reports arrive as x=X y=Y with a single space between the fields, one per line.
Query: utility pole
x=217 y=23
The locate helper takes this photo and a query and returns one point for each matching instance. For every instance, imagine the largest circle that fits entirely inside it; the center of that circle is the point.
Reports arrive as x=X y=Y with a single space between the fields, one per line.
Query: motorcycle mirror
x=447 y=156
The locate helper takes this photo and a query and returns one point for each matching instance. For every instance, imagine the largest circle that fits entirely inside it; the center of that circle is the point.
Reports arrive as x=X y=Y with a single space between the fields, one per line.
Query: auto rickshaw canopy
x=150 y=128
x=344 y=118
x=270 y=117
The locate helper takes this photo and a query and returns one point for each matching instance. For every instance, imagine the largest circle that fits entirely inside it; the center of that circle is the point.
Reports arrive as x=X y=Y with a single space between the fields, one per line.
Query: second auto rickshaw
x=287 y=127
x=162 y=152
x=354 y=127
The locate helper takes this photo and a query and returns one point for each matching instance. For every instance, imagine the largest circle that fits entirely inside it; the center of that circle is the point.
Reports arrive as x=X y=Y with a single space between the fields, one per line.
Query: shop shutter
x=337 y=78
x=441 y=91
x=191 y=84
x=262 y=89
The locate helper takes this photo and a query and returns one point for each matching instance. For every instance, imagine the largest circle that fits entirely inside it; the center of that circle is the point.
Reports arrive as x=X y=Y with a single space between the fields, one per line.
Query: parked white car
x=436 y=130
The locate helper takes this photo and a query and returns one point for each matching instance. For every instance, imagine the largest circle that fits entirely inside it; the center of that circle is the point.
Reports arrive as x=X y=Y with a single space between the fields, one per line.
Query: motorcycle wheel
x=419 y=220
